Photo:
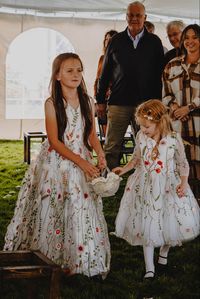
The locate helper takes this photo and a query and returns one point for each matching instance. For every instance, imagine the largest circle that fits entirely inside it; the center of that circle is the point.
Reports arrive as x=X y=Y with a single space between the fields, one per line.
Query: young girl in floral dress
x=158 y=208
x=57 y=212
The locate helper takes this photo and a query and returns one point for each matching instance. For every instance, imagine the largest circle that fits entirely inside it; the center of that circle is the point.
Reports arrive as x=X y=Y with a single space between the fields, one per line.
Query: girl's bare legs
x=163 y=253
x=149 y=261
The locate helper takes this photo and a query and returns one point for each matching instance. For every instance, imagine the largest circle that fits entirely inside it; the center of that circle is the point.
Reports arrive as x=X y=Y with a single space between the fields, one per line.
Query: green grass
x=127 y=265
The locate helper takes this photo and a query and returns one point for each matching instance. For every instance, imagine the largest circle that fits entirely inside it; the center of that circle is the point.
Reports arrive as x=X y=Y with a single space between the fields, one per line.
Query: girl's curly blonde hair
x=154 y=110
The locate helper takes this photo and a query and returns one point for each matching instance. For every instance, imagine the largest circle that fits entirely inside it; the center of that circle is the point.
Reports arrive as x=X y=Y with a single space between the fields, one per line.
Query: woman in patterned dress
x=56 y=211
x=158 y=208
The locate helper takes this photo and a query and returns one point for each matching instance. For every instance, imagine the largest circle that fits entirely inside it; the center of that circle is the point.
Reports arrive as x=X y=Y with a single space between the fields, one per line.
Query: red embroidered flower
x=159 y=163
x=80 y=248
x=146 y=162
x=128 y=189
x=48 y=191
x=97 y=229
x=57 y=231
x=85 y=195
x=158 y=170
x=59 y=196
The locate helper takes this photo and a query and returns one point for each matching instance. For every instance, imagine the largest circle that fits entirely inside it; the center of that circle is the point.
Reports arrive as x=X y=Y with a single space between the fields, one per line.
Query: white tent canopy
x=109 y=9
x=83 y=24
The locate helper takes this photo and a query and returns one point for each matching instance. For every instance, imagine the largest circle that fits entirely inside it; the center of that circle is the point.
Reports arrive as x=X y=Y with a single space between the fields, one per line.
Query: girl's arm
x=95 y=143
x=134 y=162
x=182 y=166
x=59 y=147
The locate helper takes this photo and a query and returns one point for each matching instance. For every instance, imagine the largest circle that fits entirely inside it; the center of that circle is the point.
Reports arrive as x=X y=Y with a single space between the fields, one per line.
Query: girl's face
x=70 y=74
x=191 y=42
x=148 y=127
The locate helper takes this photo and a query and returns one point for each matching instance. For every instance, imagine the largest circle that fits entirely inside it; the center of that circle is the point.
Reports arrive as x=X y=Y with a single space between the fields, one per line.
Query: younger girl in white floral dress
x=56 y=211
x=158 y=208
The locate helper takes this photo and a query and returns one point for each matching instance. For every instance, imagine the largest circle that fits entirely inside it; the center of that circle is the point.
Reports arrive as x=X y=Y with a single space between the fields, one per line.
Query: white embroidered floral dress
x=150 y=212
x=56 y=211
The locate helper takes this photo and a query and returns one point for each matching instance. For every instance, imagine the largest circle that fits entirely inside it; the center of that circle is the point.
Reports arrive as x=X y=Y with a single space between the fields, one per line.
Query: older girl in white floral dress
x=56 y=211
x=158 y=208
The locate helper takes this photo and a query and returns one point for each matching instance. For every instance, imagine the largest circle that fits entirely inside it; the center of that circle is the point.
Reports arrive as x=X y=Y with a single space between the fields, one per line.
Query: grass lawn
x=127 y=266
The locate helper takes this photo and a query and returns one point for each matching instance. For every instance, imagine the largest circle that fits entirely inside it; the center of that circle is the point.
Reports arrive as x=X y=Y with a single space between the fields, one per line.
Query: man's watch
x=191 y=107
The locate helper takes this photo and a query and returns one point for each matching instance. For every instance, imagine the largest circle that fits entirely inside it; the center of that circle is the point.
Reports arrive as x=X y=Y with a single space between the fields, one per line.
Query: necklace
x=74 y=103
x=192 y=59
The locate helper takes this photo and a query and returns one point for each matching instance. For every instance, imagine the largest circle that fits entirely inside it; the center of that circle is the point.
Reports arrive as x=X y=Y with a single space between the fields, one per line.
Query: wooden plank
x=42 y=258
x=12 y=257
x=26 y=272
x=54 y=292
x=30 y=265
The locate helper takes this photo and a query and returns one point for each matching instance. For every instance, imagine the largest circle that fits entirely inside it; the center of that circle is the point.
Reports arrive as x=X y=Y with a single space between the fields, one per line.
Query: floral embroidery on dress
x=54 y=202
x=151 y=213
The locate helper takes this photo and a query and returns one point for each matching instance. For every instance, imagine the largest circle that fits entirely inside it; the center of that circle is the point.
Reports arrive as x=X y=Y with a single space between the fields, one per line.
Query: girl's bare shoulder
x=49 y=101
x=49 y=107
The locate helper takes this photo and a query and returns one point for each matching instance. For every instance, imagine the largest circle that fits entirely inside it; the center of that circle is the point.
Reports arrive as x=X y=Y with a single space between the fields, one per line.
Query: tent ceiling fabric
x=182 y=9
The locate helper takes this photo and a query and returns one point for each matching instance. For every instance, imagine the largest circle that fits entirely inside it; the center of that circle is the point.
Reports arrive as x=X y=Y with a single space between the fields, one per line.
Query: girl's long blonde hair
x=157 y=112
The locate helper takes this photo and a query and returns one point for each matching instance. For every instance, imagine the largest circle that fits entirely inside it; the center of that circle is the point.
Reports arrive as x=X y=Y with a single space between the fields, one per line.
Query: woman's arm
x=59 y=147
x=168 y=97
x=99 y=67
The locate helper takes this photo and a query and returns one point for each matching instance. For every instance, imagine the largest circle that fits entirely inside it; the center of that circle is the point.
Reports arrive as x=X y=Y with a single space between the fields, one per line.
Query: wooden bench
x=27 y=143
x=29 y=265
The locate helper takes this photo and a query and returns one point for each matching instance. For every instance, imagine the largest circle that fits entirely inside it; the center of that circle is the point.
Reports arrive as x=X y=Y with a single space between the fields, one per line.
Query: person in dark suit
x=133 y=64
x=174 y=31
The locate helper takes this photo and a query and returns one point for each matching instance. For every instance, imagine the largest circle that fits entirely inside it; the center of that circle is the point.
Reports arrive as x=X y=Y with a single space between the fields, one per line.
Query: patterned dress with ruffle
x=151 y=213
x=57 y=212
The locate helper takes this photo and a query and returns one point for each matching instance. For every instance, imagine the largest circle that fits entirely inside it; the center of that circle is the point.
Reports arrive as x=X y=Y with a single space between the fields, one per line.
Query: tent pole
x=21 y=120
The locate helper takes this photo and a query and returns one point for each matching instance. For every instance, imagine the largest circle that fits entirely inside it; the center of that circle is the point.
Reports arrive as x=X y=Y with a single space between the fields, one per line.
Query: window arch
x=28 y=69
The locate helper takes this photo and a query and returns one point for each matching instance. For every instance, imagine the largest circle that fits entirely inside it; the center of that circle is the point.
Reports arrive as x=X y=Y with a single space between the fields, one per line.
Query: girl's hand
x=181 y=189
x=89 y=169
x=118 y=170
x=102 y=164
